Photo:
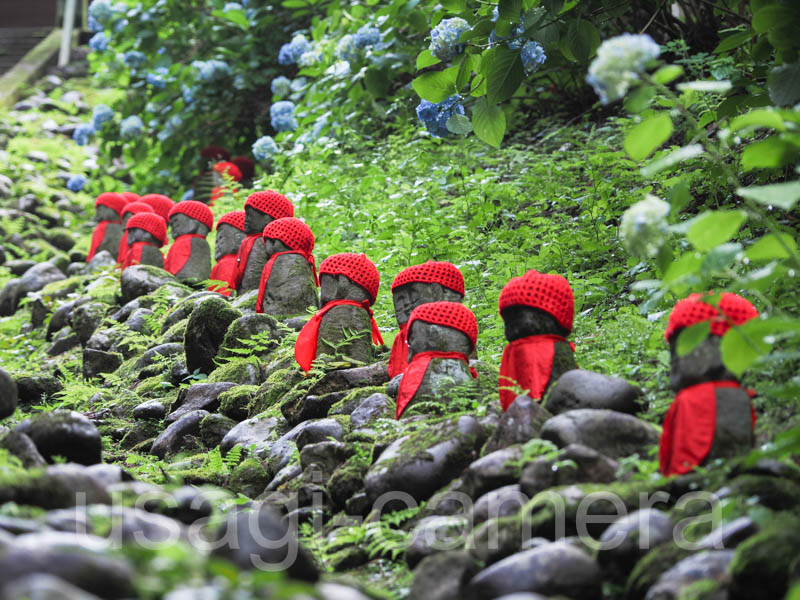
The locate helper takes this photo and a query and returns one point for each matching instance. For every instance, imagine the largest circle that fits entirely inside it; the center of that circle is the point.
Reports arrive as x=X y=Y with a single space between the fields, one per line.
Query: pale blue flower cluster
x=282 y=116
x=435 y=116
x=101 y=11
x=232 y=6
x=346 y=49
x=76 y=182
x=514 y=40
x=157 y=78
x=310 y=58
x=265 y=148
x=99 y=42
x=188 y=95
x=100 y=114
x=94 y=25
x=188 y=195
x=290 y=53
x=446 y=36
x=280 y=86
x=618 y=63
x=134 y=59
x=131 y=127
x=82 y=134
x=210 y=70
x=367 y=36
x=169 y=128
x=533 y=57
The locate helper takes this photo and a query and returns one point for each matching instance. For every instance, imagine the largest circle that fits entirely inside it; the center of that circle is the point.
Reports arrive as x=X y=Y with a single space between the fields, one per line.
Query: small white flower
x=644 y=227
x=618 y=63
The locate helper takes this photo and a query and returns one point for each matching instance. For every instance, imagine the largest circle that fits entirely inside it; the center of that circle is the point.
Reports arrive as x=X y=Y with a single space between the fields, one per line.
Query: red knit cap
x=292 y=232
x=215 y=152
x=136 y=207
x=246 y=166
x=194 y=210
x=234 y=218
x=151 y=223
x=443 y=273
x=692 y=310
x=115 y=202
x=550 y=293
x=229 y=168
x=356 y=267
x=271 y=203
x=161 y=204
x=447 y=314
x=130 y=196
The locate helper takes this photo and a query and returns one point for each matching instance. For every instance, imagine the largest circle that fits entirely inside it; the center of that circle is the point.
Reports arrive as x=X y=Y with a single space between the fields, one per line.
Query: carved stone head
x=537 y=304
x=340 y=287
x=261 y=208
x=229 y=238
x=702 y=364
x=442 y=327
x=181 y=224
x=140 y=235
x=431 y=281
x=348 y=276
x=523 y=321
x=106 y=213
x=255 y=220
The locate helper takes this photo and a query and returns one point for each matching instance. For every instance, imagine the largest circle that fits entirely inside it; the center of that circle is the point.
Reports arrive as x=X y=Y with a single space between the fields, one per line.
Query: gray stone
x=305 y=408
x=101 y=260
x=435 y=534
x=502 y=502
x=10 y=296
x=96 y=362
x=729 y=535
x=85 y=318
x=143 y=279
x=290 y=289
x=337 y=591
x=630 y=538
x=64 y=340
x=347 y=379
x=37 y=389
x=150 y=410
x=60 y=486
x=64 y=433
x=205 y=331
x=442 y=576
x=258 y=431
x=20 y=266
x=33 y=280
x=21 y=446
x=709 y=565
x=319 y=431
x=253 y=268
x=494 y=470
x=42 y=587
x=214 y=428
x=522 y=422
x=203 y=396
x=150 y=356
x=609 y=432
x=172 y=439
x=228 y=240
x=326 y=455
x=185 y=308
x=8 y=395
x=247 y=327
x=333 y=331
x=585 y=389
x=574 y=464
x=138 y=321
x=374 y=407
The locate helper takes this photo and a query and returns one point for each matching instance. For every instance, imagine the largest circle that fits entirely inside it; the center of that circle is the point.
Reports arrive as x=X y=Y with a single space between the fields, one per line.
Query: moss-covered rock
x=249 y=478
x=233 y=403
x=651 y=566
x=204 y=333
x=243 y=371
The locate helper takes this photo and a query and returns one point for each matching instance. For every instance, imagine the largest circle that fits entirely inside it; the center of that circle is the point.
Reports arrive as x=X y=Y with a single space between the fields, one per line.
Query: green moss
x=233 y=403
x=773 y=492
x=240 y=370
x=284 y=386
x=175 y=333
x=651 y=566
x=349 y=403
x=249 y=478
x=61 y=289
x=155 y=387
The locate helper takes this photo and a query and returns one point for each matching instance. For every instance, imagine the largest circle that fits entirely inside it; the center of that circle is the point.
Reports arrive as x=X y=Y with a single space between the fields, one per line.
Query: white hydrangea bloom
x=618 y=63
x=644 y=227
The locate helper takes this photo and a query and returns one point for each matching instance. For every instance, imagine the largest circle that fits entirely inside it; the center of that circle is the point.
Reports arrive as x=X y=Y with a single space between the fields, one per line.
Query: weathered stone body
x=338 y=321
x=290 y=289
x=113 y=232
x=151 y=255
x=254 y=223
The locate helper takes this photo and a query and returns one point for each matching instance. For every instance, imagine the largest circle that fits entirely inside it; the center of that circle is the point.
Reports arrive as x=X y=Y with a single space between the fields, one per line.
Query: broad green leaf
x=672 y=159
x=509 y=12
x=459 y=124
x=742 y=346
x=667 y=74
x=437 y=85
x=639 y=99
x=645 y=138
x=715 y=227
x=583 y=39
x=686 y=264
x=454 y=6
x=470 y=63
x=691 y=337
x=489 y=122
x=426 y=59
x=504 y=75
x=782 y=195
x=719 y=87
x=783 y=84
x=234 y=16
x=720 y=259
x=762 y=117
x=679 y=197
x=734 y=41
x=770 y=153
x=769 y=16
x=772 y=247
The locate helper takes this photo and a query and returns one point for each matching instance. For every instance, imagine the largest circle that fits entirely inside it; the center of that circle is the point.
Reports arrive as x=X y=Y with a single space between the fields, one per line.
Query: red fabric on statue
x=262 y=286
x=398 y=359
x=305 y=348
x=225 y=270
x=528 y=362
x=415 y=373
x=243 y=254
x=179 y=252
x=688 y=431
x=97 y=238
x=123 y=248
x=134 y=254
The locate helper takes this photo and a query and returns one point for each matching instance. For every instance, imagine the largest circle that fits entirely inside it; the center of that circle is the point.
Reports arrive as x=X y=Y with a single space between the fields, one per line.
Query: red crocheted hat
x=447 y=314
x=115 y=202
x=692 y=310
x=271 y=203
x=215 y=152
x=151 y=223
x=234 y=218
x=550 y=293
x=246 y=166
x=136 y=207
x=356 y=267
x=130 y=196
x=229 y=168
x=292 y=232
x=443 y=273
x=194 y=210
x=161 y=204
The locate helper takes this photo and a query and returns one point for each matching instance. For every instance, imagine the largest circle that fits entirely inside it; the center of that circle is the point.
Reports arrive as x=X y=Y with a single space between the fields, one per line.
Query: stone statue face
x=522 y=321
x=702 y=364
x=125 y=218
x=410 y=296
x=273 y=246
x=426 y=337
x=255 y=220
x=340 y=287
x=180 y=224
x=229 y=238
x=140 y=235
x=104 y=213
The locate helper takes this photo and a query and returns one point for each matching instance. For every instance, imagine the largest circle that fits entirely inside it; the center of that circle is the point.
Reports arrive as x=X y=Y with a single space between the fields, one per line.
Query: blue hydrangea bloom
x=290 y=53
x=188 y=95
x=131 y=127
x=367 y=36
x=299 y=83
x=280 y=86
x=265 y=148
x=282 y=116
x=76 y=182
x=434 y=116
x=310 y=58
x=94 y=25
x=533 y=56
x=134 y=58
x=83 y=133
x=232 y=6
x=514 y=40
x=99 y=41
x=120 y=25
x=346 y=49
x=157 y=79
x=100 y=114
x=445 y=38
x=101 y=11
x=240 y=82
x=210 y=70
x=169 y=128
x=188 y=195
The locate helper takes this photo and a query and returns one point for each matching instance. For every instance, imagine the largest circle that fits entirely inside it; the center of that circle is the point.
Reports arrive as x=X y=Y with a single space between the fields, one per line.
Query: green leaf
x=509 y=12
x=459 y=124
x=672 y=159
x=647 y=136
x=734 y=41
x=437 y=85
x=783 y=84
x=718 y=87
x=691 y=337
x=234 y=16
x=782 y=195
x=470 y=63
x=762 y=117
x=742 y=346
x=489 y=122
x=679 y=197
x=770 y=153
x=583 y=39
x=454 y=6
x=377 y=82
x=772 y=247
x=772 y=15
x=715 y=227
x=504 y=75
x=426 y=59
x=639 y=99
x=667 y=74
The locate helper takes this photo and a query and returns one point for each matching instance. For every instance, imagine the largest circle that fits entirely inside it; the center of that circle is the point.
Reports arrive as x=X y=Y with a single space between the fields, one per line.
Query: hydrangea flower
x=282 y=116
x=156 y=78
x=82 y=134
x=94 y=25
x=99 y=41
x=280 y=86
x=188 y=95
x=445 y=38
x=100 y=114
x=76 y=182
x=367 y=36
x=134 y=58
x=210 y=70
x=188 y=195
x=240 y=82
x=290 y=53
x=120 y=25
x=533 y=56
x=346 y=49
x=644 y=228
x=298 y=84
x=265 y=148
x=131 y=127
x=434 y=116
x=618 y=63
x=169 y=128
x=232 y=6
x=101 y=11
x=310 y=58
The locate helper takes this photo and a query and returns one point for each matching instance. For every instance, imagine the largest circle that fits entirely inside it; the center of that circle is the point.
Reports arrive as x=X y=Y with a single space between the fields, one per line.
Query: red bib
x=305 y=348
x=415 y=373
x=398 y=359
x=225 y=270
x=262 y=285
x=179 y=252
x=528 y=362
x=123 y=248
x=688 y=430
x=134 y=254
x=98 y=235
x=243 y=254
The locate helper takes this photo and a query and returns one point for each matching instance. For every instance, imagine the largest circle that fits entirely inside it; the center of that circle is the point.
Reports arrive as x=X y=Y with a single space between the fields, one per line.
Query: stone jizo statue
x=132 y=208
x=147 y=233
x=108 y=231
x=230 y=233
x=160 y=204
x=189 y=257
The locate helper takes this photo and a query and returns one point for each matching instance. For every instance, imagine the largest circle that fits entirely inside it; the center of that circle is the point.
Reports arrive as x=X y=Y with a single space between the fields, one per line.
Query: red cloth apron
x=243 y=254
x=415 y=373
x=688 y=431
x=305 y=348
x=398 y=359
x=134 y=254
x=527 y=362
x=179 y=252
x=225 y=270
x=262 y=285
x=98 y=235
x=123 y=248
